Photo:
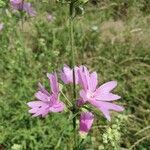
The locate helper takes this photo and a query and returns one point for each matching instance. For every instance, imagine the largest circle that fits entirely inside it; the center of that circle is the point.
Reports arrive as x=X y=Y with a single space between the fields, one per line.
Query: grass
x=109 y=40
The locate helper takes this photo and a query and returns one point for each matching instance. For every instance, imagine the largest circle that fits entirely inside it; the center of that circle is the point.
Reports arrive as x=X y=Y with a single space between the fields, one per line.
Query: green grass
x=108 y=40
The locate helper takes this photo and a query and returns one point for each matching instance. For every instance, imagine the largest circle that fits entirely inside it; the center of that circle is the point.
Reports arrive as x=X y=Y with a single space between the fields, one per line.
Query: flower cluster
x=100 y=97
x=23 y=6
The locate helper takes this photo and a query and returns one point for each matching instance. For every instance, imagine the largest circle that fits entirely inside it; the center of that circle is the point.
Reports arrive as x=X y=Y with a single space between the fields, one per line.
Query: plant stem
x=71 y=10
x=69 y=103
x=71 y=36
x=22 y=21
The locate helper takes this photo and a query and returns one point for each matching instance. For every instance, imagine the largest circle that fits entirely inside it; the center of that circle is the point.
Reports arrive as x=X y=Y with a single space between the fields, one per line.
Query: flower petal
x=93 y=81
x=87 y=78
x=58 y=107
x=35 y=104
x=41 y=96
x=42 y=111
x=106 y=97
x=80 y=102
x=63 y=77
x=82 y=73
x=106 y=113
x=33 y=110
x=66 y=75
x=107 y=87
x=43 y=90
x=105 y=107
x=83 y=95
x=53 y=82
x=86 y=121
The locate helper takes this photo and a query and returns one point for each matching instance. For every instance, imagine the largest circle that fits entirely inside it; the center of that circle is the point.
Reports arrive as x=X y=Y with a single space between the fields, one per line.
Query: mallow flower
x=50 y=17
x=23 y=6
x=85 y=124
x=67 y=74
x=27 y=7
x=100 y=97
x=47 y=102
x=17 y=4
x=16 y=1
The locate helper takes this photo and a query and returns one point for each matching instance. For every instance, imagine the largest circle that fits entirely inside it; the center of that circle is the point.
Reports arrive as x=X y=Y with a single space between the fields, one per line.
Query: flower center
x=90 y=95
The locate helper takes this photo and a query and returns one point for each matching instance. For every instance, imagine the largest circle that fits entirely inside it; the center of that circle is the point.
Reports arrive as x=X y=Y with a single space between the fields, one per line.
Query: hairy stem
x=71 y=10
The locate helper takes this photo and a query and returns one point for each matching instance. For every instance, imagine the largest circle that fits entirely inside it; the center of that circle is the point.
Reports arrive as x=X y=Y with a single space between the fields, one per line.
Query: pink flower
x=86 y=121
x=21 y=5
x=16 y=1
x=17 y=4
x=27 y=7
x=99 y=97
x=50 y=17
x=67 y=75
x=46 y=102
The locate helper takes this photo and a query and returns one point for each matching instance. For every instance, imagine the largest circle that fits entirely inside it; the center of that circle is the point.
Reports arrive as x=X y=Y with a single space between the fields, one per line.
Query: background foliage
x=112 y=37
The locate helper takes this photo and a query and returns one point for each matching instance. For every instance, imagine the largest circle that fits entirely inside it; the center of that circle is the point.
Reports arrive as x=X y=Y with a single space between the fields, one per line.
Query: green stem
x=71 y=9
x=22 y=15
x=71 y=36
x=69 y=103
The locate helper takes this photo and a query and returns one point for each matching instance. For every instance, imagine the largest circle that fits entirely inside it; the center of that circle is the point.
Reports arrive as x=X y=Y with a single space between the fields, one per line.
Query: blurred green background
x=112 y=38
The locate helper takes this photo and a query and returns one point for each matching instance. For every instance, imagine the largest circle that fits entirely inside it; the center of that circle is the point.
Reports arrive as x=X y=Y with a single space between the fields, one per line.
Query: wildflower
x=67 y=75
x=23 y=6
x=27 y=7
x=1 y=26
x=50 y=17
x=86 y=121
x=47 y=102
x=17 y=4
x=99 y=97
x=16 y=1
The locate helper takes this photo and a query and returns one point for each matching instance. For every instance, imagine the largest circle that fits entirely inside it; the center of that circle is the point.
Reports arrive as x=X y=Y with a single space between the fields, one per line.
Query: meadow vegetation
x=112 y=37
